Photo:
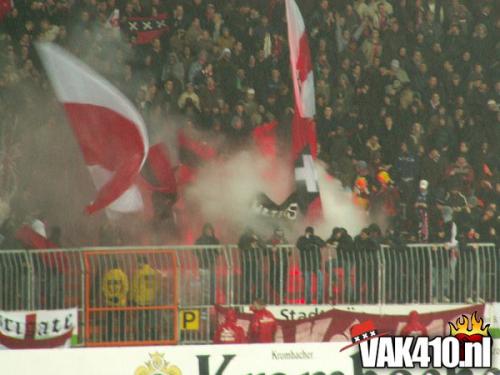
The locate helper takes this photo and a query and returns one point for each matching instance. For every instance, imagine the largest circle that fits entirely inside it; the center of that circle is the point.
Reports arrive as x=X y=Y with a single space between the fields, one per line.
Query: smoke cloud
x=338 y=207
x=224 y=193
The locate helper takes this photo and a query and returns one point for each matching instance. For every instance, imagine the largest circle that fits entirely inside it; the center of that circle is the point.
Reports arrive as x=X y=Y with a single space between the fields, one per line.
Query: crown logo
x=469 y=327
x=157 y=365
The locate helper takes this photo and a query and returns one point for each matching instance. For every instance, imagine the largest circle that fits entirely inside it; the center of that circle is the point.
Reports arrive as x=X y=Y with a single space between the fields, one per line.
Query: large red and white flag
x=304 y=142
x=111 y=133
x=303 y=126
x=300 y=58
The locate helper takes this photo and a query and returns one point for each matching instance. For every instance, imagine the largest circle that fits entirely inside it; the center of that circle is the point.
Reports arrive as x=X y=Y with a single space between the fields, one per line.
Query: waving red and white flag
x=304 y=142
x=303 y=126
x=300 y=58
x=111 y=133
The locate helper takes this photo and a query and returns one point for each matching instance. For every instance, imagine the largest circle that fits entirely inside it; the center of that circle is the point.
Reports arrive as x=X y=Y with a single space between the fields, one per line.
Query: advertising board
x=257 y=359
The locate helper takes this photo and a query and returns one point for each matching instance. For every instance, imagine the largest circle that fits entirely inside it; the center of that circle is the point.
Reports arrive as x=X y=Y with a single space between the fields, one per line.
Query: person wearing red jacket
x=229 y=332
x=414 y=327
x=263 y=325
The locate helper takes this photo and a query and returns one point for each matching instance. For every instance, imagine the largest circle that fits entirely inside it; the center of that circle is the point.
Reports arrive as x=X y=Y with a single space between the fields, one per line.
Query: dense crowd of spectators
x=407 y=92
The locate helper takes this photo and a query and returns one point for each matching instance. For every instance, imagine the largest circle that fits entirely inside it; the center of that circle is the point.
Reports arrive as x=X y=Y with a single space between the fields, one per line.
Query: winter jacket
x=310 y=252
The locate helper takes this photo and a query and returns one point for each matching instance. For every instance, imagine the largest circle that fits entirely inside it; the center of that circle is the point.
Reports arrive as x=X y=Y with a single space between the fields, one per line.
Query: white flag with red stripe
x=300 y=58
x=110 y=131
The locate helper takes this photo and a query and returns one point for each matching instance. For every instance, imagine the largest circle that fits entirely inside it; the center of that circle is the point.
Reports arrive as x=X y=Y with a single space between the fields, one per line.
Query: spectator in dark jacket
x=252 y=252
x=338 y=268
x=207 y=256
x=407 y=172
x=207 y=261
x=310 y=246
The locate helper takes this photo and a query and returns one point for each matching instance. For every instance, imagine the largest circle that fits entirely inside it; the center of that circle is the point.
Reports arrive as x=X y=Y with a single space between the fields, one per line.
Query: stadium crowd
x=407 y=92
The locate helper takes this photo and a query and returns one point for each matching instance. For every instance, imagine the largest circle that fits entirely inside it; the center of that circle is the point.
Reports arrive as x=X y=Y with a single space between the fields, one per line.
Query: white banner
x=297 y=312
x=38 y=329
x=294 y=312
x=272 y=359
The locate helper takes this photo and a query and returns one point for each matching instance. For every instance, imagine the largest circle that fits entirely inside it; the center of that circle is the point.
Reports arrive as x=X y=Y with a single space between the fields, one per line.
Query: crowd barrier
x=131 y=296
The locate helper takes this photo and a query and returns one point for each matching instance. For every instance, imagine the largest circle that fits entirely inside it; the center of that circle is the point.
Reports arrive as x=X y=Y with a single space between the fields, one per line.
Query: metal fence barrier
x=165 y=295
x=15 y=280
x=432 y=273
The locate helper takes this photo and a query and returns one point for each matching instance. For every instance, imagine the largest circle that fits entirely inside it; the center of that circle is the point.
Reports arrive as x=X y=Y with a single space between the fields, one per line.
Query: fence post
x=229 y=274
x=478 y=272
x=83 y=273
x=30 y=280
x=431 y=276
x=381 y=274
x=177 y=291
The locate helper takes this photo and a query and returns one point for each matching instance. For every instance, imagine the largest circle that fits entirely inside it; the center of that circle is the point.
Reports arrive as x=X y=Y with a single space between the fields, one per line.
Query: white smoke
x=338 y=207
x=224 y=193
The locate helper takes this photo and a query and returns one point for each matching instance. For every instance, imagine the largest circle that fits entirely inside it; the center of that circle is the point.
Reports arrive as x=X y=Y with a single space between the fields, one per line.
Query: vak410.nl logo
x=469 y=345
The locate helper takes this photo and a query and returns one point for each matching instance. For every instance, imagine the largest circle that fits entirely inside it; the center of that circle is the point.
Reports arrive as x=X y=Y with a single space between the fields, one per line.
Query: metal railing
x=137 y=296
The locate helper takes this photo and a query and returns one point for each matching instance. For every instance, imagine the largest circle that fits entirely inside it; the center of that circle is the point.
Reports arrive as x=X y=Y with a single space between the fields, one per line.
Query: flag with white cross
x=306 y=180
x=304 y=196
